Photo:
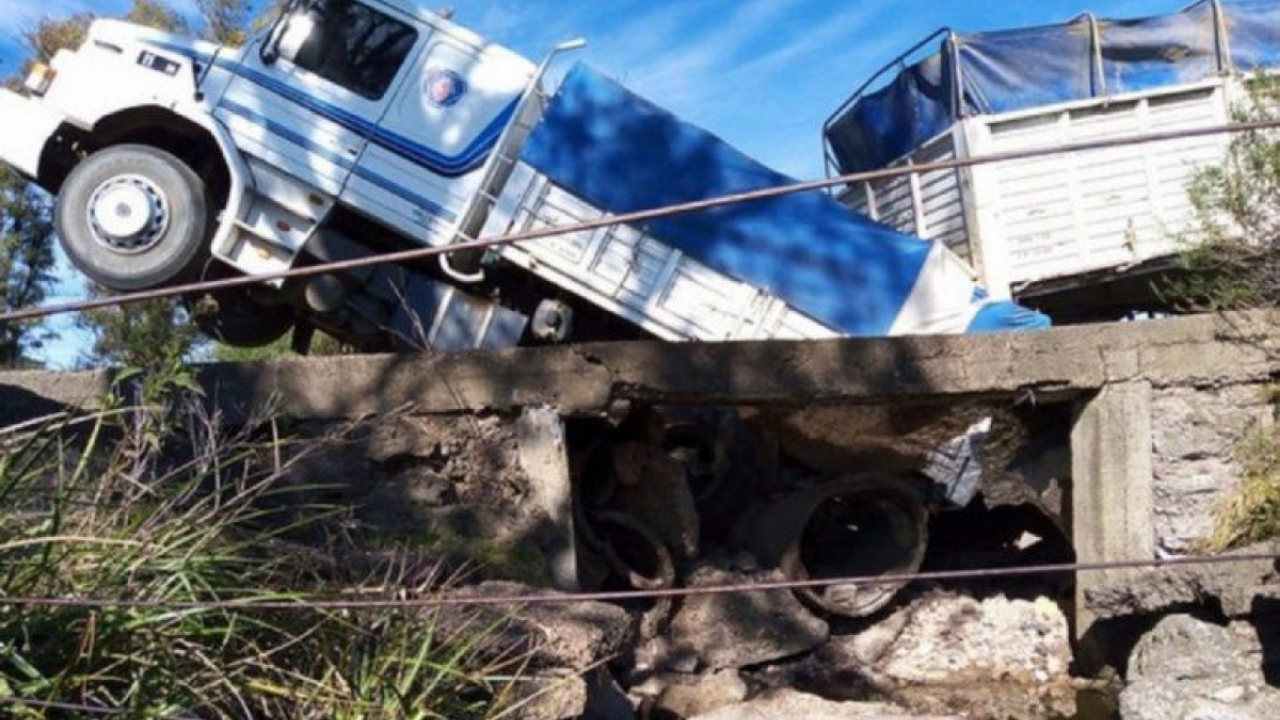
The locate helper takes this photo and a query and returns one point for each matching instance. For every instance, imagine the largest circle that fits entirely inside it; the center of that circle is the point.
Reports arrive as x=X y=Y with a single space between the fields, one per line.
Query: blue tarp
x=623 y=154
x=1004 y=71
x=998 y=76
x=1254 y=31
x=886 y=126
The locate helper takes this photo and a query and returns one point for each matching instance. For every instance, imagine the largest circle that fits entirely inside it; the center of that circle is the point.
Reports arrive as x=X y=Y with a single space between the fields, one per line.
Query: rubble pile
x=650 y=513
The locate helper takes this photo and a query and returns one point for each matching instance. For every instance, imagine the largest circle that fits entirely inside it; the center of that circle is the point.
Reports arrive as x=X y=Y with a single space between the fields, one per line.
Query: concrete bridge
x=1155 y=408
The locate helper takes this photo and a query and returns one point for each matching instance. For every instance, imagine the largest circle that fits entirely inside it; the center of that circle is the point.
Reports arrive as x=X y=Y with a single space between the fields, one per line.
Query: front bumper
x=26 y=124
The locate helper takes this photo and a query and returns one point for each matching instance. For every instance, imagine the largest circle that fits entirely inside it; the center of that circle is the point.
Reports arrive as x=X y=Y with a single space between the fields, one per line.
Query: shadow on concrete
x=1265 y=617
x=20 y=405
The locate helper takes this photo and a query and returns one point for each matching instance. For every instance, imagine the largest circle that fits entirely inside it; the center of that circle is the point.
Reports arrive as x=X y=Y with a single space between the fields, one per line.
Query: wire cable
x=527 y=599
x=633 y=218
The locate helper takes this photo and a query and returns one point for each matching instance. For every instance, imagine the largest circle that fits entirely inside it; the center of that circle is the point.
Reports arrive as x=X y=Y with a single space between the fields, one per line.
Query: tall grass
x=153 y=506
x=1250 y=513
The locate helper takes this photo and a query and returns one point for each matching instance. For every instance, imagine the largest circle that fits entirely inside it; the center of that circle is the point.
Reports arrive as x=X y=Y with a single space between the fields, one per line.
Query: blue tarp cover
x=623 y=154
x=1025 y=68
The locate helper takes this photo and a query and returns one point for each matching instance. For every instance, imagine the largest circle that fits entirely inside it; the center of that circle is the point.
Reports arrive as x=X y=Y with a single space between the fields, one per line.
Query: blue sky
x=763 y=74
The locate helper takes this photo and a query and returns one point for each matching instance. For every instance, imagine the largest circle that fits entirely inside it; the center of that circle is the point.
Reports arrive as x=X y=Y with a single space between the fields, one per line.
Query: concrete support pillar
x=540 y=435
x=1112 y=495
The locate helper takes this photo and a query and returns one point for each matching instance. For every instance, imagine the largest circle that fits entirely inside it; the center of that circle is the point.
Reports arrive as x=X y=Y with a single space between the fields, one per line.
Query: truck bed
x=1063 y=216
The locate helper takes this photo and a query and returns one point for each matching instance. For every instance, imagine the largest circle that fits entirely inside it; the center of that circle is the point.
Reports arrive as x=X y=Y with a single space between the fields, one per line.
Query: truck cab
x=346 y=128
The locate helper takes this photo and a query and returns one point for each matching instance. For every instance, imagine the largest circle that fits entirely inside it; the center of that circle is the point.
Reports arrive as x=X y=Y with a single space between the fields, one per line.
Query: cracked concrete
x=1203 y=351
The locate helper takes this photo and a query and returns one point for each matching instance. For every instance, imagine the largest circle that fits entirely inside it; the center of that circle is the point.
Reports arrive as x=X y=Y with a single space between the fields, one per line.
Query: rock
x=1193 y=456
x=549 y=697
x=573 y=636
x=741 y=629
x=954 y=640
x=660 y=655
x=409 y=492
x=792 y=705
x=870 y=645
x=401 y=435
x=687 y=696
x=996 y=658
x=1188 y=669
x=1236 y=586
x=654 y=489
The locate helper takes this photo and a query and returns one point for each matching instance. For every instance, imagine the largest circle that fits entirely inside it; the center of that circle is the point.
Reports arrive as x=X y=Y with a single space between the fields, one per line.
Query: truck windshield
x=355 y=46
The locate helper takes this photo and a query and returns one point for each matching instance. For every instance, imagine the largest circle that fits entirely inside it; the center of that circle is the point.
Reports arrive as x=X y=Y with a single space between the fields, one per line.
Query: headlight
x=40 y=78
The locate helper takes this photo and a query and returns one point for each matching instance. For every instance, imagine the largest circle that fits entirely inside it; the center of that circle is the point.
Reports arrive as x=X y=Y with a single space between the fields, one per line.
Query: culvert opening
x=1007 y=536
x=858 y=535
x=636 y=556
x=860 y=530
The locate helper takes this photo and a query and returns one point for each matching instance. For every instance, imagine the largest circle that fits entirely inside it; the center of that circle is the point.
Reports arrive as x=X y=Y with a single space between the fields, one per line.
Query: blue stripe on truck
x=337 y=159
x=469 y=159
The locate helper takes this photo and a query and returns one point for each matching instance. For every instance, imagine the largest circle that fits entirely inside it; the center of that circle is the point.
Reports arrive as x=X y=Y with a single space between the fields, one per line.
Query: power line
x=334 y=604
x=633 y=218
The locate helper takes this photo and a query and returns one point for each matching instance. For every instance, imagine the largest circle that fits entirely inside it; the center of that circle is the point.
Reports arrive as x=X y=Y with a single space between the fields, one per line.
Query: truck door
x=311 y=111
x=426 y=160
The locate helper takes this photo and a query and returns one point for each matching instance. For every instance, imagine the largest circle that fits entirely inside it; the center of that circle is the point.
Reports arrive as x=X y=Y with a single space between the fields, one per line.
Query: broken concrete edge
x=1236 y=589
x=1053 y=365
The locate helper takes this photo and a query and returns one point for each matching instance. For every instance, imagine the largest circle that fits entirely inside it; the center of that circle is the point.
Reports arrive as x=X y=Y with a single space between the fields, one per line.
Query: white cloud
x=682 y=53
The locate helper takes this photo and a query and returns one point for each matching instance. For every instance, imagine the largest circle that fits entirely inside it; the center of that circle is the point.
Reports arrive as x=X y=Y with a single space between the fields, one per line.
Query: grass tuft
x=158 y=505
x=1251 y=513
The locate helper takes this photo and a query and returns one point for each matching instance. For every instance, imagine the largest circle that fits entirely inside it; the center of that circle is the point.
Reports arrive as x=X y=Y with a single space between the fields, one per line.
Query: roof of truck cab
x=421 y=12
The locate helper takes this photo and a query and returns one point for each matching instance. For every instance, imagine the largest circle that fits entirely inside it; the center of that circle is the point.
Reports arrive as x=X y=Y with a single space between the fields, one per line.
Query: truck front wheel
x=133 y=217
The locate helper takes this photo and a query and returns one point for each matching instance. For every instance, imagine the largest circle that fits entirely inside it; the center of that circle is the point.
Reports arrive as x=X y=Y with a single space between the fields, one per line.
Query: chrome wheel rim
x=128 y=214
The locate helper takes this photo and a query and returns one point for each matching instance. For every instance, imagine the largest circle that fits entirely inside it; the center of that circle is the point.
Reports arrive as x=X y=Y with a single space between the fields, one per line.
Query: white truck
x=356 y=127
x=1081 y=236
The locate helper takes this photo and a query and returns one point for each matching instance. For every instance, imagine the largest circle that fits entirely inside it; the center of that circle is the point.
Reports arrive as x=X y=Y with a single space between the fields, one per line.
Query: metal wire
x=633 y=218
x=334 y=604
x=77 y=707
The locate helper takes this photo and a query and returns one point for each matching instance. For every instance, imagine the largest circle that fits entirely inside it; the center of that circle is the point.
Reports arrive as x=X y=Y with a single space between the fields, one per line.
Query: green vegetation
x=1251 y=514
x=1234 y=258
x=26 y=263
x=509 y=560
x=138 y=504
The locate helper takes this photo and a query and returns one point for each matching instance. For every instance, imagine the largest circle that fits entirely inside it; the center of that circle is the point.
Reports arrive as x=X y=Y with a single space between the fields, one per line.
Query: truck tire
x=133 y=217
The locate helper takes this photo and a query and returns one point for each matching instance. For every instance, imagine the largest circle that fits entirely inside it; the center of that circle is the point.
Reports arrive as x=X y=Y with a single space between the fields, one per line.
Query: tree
x=51 y=35
x=26 y=226
x=226 y=21
x=26 y=263
x=1234 y=260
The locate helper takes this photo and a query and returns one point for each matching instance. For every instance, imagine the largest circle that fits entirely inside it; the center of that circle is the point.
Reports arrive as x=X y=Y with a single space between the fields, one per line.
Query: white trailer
x=1076 y=232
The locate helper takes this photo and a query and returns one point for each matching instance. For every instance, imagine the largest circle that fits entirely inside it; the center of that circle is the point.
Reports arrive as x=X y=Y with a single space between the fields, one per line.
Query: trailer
x=1080 y=235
